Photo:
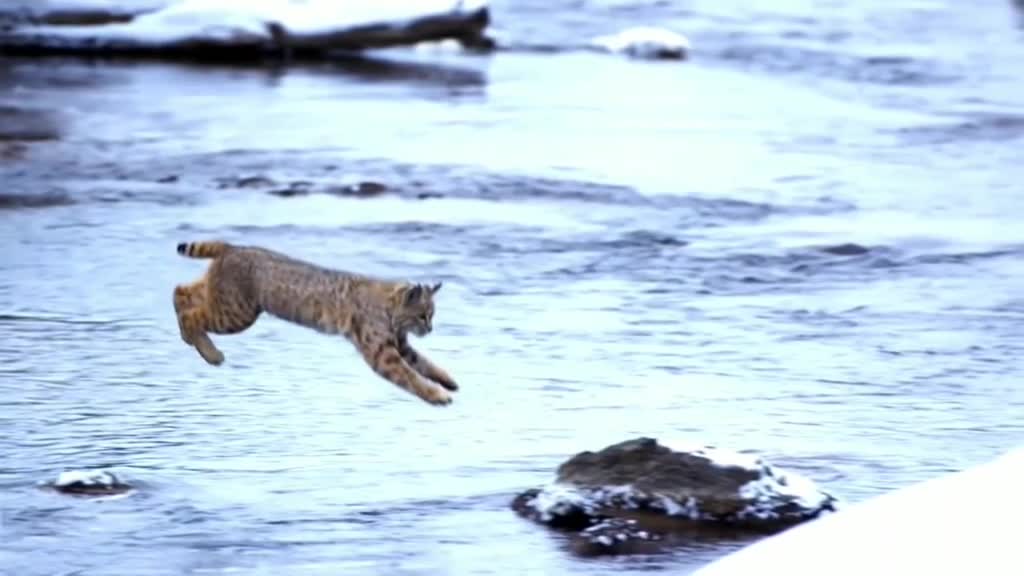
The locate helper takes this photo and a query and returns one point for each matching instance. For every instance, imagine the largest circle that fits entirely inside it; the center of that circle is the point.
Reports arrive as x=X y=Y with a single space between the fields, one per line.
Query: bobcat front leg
x=387 y=361
x=424 y=366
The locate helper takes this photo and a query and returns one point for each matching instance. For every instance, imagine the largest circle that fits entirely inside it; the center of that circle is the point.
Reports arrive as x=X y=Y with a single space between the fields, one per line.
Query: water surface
x=627 y=248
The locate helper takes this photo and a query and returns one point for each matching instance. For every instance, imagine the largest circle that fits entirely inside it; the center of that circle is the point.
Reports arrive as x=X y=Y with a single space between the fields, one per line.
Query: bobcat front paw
x=438 y=396
x=449 y=384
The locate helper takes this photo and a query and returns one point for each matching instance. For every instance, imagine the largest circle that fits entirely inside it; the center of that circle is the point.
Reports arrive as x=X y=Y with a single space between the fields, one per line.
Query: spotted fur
x=375 y=315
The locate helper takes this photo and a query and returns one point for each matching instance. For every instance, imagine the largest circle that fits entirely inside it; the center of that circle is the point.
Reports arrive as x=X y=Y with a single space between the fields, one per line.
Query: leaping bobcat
x=375 y=315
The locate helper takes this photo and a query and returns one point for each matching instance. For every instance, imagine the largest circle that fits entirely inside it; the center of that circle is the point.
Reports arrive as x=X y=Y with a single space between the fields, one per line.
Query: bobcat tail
x=203 y=249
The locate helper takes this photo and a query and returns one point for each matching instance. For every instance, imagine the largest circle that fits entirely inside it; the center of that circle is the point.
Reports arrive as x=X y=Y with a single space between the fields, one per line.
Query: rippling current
x=804 y=242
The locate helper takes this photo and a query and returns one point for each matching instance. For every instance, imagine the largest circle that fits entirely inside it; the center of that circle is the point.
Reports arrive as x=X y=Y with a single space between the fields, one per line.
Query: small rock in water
x=358 y=190
x=846 y=249
x=297 y=188
x=361 y=190
x=90 y=483
x=44 y=200
x=645 y=42
x=245 y=182
x=622 y=498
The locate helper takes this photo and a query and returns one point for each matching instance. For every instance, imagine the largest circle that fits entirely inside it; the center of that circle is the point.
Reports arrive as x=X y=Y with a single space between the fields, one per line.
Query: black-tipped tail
x=203 y=249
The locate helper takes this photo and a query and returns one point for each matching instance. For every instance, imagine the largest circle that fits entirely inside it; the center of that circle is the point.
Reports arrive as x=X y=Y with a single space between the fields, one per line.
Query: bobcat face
x=416 y=313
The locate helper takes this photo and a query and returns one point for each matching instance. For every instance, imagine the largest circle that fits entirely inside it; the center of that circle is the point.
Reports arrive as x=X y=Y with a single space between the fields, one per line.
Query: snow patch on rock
x=645 y=42
x=90 y=482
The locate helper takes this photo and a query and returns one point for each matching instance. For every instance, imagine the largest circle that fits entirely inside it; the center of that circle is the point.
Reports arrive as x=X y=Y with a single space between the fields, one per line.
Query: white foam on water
x=323 y=210
x=920 y=232
x=953 y=524
x=229 y=20
x=644 y=42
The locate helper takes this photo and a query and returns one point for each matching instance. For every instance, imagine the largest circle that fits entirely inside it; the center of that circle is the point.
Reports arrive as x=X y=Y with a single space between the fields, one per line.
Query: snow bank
x=949 y=525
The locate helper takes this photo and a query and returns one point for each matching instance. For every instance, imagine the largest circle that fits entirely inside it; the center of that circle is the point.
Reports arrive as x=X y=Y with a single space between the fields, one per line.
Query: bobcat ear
x=413 y=294
x=435 y=288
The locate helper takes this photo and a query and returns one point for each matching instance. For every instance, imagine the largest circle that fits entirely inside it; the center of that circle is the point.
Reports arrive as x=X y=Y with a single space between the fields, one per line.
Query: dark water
x=627 y=248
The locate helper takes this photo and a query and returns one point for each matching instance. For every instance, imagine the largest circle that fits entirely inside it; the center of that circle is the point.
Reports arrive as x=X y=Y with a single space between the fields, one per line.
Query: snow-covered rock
x=90 y=483
x=635 y=480
x=249 y=27
x=644 y=42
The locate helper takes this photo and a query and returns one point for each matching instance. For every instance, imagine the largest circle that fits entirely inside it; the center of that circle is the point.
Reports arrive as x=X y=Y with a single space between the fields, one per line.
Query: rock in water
x=639 y=490
x=846 y=249
x=90 y=483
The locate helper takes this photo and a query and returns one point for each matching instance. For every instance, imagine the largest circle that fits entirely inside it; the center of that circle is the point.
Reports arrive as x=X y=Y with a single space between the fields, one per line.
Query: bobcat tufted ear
x=413 y=294
x=435 y=288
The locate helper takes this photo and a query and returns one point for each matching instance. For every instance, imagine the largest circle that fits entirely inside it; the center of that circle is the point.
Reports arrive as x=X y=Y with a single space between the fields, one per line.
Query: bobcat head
x=414 y=309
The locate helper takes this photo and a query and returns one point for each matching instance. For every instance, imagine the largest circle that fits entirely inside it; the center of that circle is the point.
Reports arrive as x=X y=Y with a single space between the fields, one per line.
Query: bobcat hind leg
x=188 y=297
x=193 y=326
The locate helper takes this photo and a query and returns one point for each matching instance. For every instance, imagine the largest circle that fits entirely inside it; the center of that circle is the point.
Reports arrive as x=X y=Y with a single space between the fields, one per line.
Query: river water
x=627 y=248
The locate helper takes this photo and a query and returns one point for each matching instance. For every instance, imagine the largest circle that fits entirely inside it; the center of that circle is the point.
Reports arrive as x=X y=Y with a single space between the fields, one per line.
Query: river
x=803 y=242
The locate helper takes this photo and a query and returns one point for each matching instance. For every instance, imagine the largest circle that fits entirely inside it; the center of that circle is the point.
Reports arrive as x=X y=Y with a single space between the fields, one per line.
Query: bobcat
x=375 y=315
